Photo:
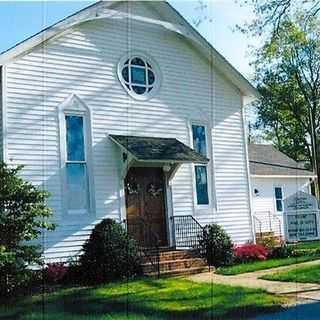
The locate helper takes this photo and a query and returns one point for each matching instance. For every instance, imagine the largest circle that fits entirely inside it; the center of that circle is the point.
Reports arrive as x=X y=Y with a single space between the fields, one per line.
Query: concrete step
x=263 y=237
x=176 y=264
x=180 y=272
x=173 y=255
x=265 y=234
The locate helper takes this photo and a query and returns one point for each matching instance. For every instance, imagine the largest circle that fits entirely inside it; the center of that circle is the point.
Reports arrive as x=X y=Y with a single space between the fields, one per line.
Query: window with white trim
x=139 y=75
x=199 y=140
x=77 y=184
x=278 y=194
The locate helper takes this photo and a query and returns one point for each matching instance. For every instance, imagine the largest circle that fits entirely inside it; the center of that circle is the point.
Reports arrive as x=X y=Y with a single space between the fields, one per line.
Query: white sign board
x=302 y=226
x=301 y=217
x=300 y=201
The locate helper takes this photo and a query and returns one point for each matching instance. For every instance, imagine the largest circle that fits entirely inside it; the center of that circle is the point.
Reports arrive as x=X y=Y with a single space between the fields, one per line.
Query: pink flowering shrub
x=250 y=252
x=55 y=272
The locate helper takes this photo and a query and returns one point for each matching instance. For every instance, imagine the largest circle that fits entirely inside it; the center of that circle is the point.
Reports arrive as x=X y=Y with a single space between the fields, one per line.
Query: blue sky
x=21 y=19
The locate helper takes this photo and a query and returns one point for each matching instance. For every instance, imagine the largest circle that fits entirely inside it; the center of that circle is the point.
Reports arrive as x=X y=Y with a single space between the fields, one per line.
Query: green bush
x=269 y=242
x=283 y=251
x=109 y=254
x=23 y=214
x=305 y=252
x=216 y=246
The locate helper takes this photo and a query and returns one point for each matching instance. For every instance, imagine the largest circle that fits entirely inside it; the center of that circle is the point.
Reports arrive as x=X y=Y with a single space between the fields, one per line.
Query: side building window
x=278 y=194
x=200 y=171
x=76 y=165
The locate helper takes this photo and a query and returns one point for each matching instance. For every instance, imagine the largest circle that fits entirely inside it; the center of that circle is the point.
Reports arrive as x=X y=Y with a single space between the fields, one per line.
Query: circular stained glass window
x=139 y=76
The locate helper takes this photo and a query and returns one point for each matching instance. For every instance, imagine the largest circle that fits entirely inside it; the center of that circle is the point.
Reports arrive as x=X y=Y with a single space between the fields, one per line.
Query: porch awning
x=150 y=149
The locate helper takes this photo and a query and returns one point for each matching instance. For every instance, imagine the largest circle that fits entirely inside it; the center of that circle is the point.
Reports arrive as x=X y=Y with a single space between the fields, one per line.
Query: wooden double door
x=145 y=203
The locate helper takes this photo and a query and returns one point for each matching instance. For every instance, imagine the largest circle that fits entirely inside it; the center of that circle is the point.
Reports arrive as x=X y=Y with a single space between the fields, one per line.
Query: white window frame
x=73 y=106
x=197 y=206
x=275 y=199
x=155 y=69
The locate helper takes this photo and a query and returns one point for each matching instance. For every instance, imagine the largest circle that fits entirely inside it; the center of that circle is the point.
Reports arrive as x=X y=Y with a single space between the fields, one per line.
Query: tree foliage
x=288 y=78
x=270 y=14
x=23 y=215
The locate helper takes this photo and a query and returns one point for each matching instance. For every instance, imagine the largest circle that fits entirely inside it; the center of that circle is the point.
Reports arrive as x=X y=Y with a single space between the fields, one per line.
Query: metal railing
x=267 y=222
x=186 y=230
x=147 y=240
x=279 y=226
x=257 y=225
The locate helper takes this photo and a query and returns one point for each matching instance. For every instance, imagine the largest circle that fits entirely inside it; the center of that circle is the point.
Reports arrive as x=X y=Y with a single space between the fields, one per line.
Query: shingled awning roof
x=158 y=149
x=266 y=160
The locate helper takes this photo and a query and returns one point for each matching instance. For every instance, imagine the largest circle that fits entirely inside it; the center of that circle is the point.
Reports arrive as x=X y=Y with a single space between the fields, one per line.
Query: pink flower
x=250 y=252
x=54 y=272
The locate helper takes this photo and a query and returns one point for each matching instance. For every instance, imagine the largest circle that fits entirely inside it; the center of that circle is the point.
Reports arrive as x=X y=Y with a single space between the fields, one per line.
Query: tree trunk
x=317 y=167
x=315 y=144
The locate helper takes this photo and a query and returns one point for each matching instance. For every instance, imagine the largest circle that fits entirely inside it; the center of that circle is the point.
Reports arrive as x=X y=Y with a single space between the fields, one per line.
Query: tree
x=269 y=14
x=288 y=78
x=23 y=215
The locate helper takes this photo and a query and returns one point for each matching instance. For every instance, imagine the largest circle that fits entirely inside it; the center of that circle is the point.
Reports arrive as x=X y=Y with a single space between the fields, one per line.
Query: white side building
x=274 y=177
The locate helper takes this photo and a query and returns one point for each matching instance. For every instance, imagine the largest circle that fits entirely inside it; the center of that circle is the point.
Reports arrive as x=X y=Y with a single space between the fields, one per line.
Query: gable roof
x=158 y=149
x=101 y=10
x=266 y=160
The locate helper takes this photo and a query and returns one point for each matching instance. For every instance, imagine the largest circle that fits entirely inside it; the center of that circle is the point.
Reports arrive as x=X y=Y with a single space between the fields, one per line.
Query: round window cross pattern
x=139 y=75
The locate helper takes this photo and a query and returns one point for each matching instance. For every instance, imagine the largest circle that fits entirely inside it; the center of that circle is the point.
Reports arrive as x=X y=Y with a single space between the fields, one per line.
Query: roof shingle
x=158 y=149
x=267 y=160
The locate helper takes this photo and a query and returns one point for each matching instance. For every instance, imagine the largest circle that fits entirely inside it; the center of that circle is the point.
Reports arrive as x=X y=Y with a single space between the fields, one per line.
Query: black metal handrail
x=147 y=240
x=186 y=230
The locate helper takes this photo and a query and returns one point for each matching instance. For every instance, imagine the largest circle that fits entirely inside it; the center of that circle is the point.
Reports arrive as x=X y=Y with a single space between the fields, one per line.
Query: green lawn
x=170 y=298
x=261 y=265
x=308 y=274
x=306 y=245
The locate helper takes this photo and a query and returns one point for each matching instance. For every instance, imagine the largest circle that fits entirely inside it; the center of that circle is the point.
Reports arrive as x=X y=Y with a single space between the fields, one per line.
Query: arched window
x=139 y=75
x=75 y=147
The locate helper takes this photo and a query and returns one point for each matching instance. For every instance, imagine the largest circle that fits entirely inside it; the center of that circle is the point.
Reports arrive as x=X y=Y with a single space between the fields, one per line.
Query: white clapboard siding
x=84 y=62
x=264 y=203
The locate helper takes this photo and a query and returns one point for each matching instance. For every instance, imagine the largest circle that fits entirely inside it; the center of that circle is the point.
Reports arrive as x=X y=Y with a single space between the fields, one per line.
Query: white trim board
x=246 y=151
x=281 y=176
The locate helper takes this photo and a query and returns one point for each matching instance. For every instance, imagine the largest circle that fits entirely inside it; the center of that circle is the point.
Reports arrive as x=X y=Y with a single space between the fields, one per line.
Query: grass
x=307 y=274
x=306 y=245
x=170 y=298
x=265 y=264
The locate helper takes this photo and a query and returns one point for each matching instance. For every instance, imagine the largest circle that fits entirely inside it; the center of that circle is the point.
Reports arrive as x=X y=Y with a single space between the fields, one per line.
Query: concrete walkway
x=299 y=291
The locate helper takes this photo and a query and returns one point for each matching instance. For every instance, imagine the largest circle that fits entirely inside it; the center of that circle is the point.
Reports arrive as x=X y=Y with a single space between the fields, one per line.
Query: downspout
x=244 y=130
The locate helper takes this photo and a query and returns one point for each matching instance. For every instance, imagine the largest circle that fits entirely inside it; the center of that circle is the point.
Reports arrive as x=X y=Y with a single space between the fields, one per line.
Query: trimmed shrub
x=216 y=245
x=109 y=254
x=283 y=251
x=250 y=252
